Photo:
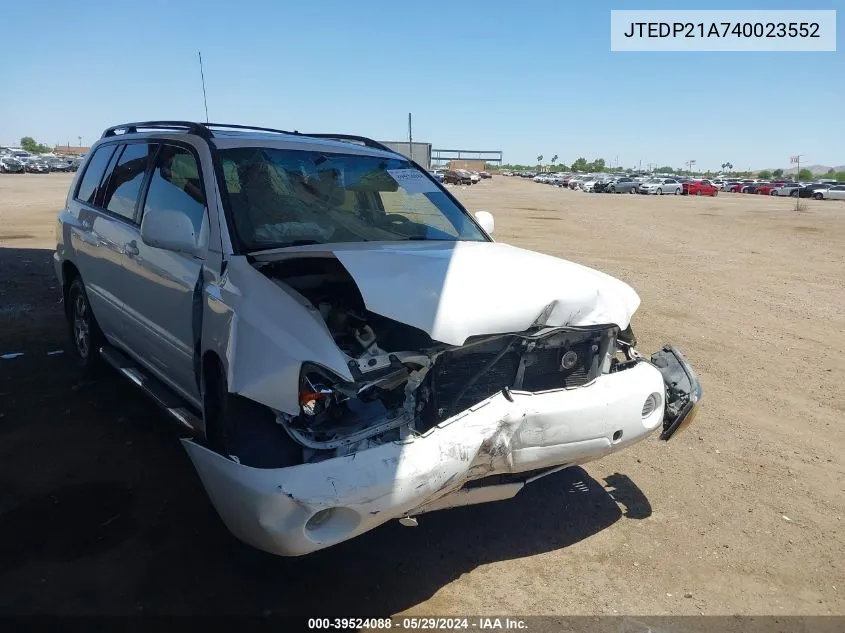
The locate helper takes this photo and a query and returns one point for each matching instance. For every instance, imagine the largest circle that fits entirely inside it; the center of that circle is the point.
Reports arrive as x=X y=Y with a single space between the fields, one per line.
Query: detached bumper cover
x=300 y=509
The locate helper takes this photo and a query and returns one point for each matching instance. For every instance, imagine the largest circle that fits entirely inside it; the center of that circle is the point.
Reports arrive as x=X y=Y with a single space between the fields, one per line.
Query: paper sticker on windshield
x=412 y=180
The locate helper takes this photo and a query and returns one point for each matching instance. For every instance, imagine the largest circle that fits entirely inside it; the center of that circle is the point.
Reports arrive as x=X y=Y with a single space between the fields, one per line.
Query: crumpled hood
x=454 y=290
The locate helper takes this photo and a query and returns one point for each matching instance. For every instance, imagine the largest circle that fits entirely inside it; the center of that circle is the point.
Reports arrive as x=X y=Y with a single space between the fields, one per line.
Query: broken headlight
x=324 y=396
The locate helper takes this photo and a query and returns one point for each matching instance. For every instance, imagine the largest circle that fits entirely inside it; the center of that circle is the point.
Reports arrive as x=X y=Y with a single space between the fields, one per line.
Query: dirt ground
x=102 y=513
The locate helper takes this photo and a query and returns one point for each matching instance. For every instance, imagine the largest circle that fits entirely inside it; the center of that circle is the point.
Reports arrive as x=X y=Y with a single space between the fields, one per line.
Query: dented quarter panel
x=454 y=290
x=269 y=508
x=264 y=334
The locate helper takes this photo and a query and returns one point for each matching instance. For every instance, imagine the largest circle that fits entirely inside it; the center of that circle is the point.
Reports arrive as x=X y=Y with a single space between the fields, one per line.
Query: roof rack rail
x=248 y=127
x=132 y=128
x=363 y=140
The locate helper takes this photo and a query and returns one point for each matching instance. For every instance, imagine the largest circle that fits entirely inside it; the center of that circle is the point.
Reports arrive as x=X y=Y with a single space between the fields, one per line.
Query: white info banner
x=757 y=30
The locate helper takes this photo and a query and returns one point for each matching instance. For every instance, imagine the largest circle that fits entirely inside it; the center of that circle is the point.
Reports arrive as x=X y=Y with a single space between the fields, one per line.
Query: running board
x=155 y=389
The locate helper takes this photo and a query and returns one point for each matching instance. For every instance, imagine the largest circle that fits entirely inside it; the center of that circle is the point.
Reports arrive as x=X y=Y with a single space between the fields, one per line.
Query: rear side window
x=176 y=185
x=90 y=183
x=124 y=183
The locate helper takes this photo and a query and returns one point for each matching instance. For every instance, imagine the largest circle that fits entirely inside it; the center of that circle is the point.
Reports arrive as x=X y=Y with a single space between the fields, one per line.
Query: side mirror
x=171 y=230
x=485 y=219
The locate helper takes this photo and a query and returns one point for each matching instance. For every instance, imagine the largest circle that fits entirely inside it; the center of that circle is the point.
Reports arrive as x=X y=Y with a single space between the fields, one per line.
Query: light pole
x=79 y=138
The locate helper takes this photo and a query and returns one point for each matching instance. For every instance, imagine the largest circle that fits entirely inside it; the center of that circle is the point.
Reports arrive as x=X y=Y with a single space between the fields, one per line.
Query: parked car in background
x=588 y=184
x=37 y=166
x=437 y=175
x=833 y=192
x=335 y=370
x=474 y=177
x=807 y=191
x=700 y=188
x=661 y=186
x=11 y=165
x=457 y=177
x=752 y=188
x=623 y=184
x=786 y=189
x=736 y=187
x=59 y=164
x=485 y=175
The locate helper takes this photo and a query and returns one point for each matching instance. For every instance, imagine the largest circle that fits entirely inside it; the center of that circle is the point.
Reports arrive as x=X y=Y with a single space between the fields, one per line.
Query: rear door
x=837 y=192
x=161 y=284
x=104 y=226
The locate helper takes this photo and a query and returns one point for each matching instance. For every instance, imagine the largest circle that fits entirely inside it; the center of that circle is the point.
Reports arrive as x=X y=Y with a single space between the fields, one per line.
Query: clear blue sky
x=526 y=77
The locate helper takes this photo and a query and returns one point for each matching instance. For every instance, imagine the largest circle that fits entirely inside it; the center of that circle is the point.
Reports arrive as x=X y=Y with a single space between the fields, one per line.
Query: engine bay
x=403 y=381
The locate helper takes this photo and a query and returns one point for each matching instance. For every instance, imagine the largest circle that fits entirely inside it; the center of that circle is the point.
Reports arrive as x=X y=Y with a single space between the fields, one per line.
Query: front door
x=160 y=284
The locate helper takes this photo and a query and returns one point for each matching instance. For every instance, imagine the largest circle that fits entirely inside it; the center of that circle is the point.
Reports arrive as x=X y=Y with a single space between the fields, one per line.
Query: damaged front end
x=405 y=424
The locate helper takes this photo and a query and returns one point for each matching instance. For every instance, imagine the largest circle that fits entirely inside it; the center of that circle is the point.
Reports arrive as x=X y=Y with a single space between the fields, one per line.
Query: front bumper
x=300 y=509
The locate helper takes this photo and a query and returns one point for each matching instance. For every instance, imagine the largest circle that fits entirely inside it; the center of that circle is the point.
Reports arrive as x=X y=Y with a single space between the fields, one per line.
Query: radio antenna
x=204 y=99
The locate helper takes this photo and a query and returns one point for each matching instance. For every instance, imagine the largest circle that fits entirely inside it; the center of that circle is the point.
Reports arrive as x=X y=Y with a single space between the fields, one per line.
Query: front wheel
x=660 y=192
x=773 y=192
x=818 y=196
x=85 y=335
x=238 y=427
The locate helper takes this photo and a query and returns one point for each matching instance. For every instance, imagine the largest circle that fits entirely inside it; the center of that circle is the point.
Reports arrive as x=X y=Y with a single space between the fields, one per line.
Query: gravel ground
x=101 y=512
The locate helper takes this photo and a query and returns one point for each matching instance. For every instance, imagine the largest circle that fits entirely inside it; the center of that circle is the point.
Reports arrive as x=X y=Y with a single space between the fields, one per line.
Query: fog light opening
x=617 y=436
x=651 y=404
x=331 y=524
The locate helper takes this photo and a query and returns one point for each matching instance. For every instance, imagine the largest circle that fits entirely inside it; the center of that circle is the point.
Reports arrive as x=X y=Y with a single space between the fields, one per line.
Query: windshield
x=289 y=197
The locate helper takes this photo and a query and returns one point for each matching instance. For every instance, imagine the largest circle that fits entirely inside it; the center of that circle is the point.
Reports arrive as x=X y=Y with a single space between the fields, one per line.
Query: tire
x=818 y=196
x=611 y=189
x=237 y=426
x=794 y=194
x=698 y=193
x=659 y=191
x=631 y=190
x=86 y=337
x=774 y=192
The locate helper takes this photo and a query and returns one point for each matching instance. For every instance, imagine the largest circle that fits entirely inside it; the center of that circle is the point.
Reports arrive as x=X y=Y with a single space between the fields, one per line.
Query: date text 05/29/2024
x=758 y=30
x=419 y=623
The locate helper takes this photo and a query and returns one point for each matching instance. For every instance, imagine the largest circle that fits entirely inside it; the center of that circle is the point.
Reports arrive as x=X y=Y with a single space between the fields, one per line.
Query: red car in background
x=700 y=188
x=766 y=190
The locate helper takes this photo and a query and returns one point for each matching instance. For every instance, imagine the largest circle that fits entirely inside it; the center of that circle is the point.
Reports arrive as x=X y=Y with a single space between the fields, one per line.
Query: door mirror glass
x=485 y=219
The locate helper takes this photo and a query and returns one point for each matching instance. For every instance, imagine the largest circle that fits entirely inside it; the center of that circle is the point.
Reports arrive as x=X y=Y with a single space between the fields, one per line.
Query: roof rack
x=363 y=140
x=247 y=127
x=132 y=128
x=204 y=130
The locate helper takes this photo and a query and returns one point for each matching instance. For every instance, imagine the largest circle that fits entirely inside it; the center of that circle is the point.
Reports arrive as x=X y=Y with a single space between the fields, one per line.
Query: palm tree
x=539 y=161
x=727 y=166
x=553 y=161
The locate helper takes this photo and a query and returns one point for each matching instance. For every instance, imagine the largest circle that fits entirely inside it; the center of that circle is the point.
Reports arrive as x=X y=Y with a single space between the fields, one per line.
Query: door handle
x=131 y=249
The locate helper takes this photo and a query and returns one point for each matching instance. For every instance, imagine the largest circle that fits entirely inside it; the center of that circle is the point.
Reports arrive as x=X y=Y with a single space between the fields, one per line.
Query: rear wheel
x=818 y=196
x=678 y=191
x=698 y=193
x=773 y=192
x=85 y=335
x=794 y=194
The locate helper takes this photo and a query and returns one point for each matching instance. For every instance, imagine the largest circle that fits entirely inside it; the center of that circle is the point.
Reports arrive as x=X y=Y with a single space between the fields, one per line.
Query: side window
x=124 y=183
x=87 y=191
x=176 y=185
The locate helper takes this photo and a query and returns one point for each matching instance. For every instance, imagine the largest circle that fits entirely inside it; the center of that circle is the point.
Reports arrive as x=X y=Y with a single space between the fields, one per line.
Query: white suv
x=343 y=343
